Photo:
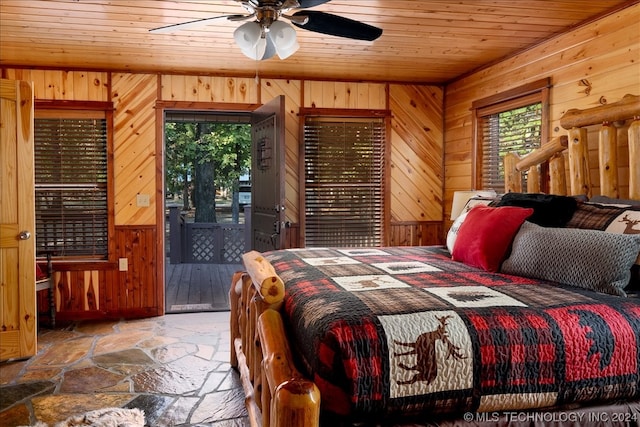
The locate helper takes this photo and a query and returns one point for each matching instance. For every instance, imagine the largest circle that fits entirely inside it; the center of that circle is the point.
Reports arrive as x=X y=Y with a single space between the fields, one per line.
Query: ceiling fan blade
x=304 y=4
x=334 y=25
x=197 y=23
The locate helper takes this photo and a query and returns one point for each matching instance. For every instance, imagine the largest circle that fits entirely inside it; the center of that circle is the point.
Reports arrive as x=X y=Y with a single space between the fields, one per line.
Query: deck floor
x=198 y=287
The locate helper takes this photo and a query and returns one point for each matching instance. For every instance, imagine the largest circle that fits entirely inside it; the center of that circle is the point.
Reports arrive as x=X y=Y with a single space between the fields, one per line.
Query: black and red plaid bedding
x=405 y=330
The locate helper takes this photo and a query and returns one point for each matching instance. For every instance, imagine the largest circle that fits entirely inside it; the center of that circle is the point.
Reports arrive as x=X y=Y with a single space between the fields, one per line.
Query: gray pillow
x=590 y=259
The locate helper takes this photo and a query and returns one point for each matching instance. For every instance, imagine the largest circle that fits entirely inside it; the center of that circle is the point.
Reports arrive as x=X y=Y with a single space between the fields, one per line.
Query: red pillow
x=486 y=235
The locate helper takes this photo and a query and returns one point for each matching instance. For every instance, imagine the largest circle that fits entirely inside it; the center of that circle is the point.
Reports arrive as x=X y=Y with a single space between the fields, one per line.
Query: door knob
x=25 y=235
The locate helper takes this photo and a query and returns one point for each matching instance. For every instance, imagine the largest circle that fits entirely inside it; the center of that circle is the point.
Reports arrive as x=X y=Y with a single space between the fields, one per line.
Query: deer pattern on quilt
x=424 y=348
x=429 y=352
x=630 y=225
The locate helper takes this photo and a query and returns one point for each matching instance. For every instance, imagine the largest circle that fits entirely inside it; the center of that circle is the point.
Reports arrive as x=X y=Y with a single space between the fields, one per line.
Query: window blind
x=516 y=130
x=344 y=181
x=71 y=186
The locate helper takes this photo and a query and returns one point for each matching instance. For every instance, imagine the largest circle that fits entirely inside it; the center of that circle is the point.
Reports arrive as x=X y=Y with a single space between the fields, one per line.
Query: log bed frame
x=277 y=394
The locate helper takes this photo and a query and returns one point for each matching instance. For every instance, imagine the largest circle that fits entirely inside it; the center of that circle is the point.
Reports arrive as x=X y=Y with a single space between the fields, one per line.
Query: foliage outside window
x=344 y=181
x=71 y=176
x=206 y=153
x=510 y=122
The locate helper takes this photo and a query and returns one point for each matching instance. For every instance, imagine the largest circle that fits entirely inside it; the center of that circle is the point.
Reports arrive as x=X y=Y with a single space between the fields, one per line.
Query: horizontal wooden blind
x=344 y=181
x=71 y=186
x=517 y=130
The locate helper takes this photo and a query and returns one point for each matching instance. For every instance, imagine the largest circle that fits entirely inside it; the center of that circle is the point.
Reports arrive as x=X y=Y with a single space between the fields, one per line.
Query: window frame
x=345 y=114
x=88 y=109
x=530 y=93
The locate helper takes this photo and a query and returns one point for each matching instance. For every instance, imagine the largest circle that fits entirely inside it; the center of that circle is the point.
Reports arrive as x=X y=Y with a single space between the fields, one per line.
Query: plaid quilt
x=405 y=330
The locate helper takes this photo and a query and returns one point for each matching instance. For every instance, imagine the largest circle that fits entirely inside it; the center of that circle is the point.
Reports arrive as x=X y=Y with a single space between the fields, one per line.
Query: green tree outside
x=202 y=158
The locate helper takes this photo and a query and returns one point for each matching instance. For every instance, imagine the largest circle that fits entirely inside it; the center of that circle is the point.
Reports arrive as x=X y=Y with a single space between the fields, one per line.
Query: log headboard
x=547 y=167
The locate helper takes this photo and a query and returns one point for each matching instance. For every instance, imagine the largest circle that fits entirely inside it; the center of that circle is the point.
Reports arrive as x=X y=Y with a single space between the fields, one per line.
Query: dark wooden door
x=267 y=170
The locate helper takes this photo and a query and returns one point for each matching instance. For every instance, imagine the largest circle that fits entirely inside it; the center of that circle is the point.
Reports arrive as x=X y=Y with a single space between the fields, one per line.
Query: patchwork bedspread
x=384 y=331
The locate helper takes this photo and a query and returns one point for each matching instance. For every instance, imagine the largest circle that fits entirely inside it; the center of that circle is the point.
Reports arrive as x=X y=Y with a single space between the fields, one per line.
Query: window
x=71 y=175
x=344 y=181
x=511 y=122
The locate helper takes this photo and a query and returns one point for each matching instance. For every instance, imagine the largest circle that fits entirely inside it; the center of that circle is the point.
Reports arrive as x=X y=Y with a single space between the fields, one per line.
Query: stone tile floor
x=175 y=368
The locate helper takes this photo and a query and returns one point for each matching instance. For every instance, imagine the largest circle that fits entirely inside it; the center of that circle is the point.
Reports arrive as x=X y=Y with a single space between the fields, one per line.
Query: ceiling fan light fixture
x=284 y=39
x=285 y=53
x=248 y=35
x=258 y=51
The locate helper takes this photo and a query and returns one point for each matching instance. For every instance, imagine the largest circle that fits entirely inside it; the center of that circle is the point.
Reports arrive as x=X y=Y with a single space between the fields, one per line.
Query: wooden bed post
x=238 y=328
x=514 y=165
x=608 y=159
x=579 y=162
x=258 y=307
x=248 y=331
x=234 y=293
x=557 y=176
x=533 y=179
x=512 y=177
x=295 y=401
x=634 y=158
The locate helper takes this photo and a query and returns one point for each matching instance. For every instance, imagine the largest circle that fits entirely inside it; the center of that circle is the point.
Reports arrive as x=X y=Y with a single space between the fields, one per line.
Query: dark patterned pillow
x=548 y=210
x=612 y=219
x=590 y=259
x=595 y=216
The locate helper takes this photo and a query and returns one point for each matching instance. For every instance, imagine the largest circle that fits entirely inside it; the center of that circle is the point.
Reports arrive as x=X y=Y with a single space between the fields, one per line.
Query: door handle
x=24 y=235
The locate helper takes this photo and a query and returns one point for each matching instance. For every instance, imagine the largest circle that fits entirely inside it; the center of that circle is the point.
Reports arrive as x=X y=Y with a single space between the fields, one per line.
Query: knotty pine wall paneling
x=134 y=98
x=209 y=89
x=416 y=165
x=347 y=95
x=416 y=154
x=64 y=85
x=139 y=289
x=589 y=66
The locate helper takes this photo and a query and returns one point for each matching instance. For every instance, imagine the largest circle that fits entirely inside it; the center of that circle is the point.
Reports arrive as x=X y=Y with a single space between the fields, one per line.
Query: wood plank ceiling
x=426 y=41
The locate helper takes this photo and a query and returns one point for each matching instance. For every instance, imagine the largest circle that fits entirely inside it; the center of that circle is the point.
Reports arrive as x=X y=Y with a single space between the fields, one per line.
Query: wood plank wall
x=99 y=290
x=592 y=65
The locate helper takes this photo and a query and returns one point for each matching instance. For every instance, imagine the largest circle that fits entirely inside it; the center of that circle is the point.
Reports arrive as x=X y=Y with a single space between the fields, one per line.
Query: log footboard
x=277 y=394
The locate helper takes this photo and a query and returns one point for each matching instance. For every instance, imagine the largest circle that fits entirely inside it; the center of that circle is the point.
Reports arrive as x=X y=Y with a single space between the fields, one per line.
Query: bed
x=482 y=332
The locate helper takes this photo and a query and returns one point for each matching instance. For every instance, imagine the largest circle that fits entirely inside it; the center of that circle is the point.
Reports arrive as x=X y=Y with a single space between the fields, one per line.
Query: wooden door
x=267 y=176
x=18 y=328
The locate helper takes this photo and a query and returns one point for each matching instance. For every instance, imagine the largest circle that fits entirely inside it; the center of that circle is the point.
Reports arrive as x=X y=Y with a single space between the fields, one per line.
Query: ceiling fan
x=266 y=35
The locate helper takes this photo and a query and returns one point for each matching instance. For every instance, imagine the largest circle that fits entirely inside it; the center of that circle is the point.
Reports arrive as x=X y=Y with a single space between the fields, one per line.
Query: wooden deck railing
x=216 y=243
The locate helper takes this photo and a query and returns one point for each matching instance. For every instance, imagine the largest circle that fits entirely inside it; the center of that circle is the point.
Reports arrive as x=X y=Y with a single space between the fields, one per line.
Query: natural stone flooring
x=175 y=368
